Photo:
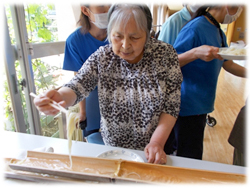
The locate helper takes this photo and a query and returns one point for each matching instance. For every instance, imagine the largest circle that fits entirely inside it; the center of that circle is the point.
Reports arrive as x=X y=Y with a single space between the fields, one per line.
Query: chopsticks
x=53 y=104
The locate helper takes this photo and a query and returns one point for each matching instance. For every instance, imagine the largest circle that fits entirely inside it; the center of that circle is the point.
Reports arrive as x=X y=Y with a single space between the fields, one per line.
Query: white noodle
x=118 y=169
x=72 y=120
x=233 y=51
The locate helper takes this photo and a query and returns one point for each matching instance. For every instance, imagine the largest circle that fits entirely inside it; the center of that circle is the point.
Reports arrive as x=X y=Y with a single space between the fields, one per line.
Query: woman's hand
x=207 y=53
x=155 y=154
x=82 y=116
x=204 y=52
x=42 y=102
x=154 y=150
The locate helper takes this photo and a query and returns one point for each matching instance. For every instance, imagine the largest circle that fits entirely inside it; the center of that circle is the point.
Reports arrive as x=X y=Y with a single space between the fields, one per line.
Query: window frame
x=24 y=52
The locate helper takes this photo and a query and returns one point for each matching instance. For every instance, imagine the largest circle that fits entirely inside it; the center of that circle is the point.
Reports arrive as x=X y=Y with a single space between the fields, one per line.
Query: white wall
x=67 y=17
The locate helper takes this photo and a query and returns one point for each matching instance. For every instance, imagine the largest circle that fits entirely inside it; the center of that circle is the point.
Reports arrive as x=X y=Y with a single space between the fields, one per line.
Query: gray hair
x=121 y=14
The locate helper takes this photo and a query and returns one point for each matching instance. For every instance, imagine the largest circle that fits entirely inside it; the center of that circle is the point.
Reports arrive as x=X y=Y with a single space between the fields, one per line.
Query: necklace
x=211 y=18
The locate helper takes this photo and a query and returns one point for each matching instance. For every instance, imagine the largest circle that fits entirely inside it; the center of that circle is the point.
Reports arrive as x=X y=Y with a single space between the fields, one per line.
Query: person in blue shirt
x=173 y=25
x=85 y=40
x=169 y=32
x=197 y=46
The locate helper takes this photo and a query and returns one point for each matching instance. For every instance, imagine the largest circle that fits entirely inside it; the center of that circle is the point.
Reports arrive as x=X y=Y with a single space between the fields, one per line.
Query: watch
x=83 y=124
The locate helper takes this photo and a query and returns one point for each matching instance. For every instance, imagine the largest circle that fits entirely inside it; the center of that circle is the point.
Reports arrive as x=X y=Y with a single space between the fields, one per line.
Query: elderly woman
x=138 y=81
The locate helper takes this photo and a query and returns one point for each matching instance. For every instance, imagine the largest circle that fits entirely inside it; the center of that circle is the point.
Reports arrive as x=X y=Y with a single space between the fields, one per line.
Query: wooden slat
x=105 y=170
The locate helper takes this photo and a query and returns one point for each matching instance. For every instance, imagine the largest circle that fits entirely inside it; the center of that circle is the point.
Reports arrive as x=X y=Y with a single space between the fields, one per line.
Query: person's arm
x=235 y=69
x=64 y=96
x=82 y=108
x=74 y=91
x=154 y=151
x=204 y=52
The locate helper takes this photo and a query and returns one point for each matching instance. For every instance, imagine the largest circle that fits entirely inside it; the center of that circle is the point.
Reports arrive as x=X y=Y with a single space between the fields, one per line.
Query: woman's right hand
x=204 y=52
x=207 y=53
x=42 y=102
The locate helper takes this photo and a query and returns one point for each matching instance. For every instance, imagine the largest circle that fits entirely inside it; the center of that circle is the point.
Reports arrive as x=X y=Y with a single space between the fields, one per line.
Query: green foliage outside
x=37 y=22
x=37 y=29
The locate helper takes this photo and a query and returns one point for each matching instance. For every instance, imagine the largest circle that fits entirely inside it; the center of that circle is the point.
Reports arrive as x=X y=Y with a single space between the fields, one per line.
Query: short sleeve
x=86 y=79
x=72 y=60
x=174 y=80
x=186 y=40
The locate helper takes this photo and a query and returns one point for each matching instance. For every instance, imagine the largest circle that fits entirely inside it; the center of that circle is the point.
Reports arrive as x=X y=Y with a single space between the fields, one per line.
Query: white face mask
x=194 y=7
x=231 y=18
x=101 y=20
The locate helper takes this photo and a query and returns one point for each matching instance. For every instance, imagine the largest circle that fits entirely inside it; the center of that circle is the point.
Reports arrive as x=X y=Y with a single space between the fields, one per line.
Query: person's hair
x=84 y=22
x=121 y=13
x=203 y=9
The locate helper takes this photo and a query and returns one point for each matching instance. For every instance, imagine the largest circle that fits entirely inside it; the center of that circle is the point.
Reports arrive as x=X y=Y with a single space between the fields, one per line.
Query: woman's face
x=128 y=43
x=95 y=9
x=98 y=9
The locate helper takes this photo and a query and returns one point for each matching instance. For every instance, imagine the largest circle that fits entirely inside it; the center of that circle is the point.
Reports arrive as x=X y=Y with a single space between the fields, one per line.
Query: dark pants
x=187 y=136
x=239 y=158
x=237 y=138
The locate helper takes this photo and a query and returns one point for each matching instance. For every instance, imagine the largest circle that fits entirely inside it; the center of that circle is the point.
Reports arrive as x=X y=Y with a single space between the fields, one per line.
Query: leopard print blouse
x=131 y=96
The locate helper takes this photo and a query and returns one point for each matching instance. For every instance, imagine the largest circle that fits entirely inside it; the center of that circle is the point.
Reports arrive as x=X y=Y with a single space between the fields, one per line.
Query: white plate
x=121 y=154
x=231 y=57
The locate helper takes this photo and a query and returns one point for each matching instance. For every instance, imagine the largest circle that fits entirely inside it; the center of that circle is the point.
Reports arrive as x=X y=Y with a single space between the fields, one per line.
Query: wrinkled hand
x=82 y=116
x=155 y=154
x=207 y=53
x=42 y=102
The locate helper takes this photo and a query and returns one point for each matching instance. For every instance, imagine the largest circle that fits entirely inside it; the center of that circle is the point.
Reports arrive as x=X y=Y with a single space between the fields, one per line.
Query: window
x=34 y=48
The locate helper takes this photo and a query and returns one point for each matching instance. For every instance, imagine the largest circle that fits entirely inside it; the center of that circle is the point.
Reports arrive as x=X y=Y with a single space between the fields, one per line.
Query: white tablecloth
x=15 y=143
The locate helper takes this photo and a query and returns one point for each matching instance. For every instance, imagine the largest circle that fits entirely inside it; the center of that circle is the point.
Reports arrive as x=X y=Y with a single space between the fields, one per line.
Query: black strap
x=211 y=18
x=83 y=124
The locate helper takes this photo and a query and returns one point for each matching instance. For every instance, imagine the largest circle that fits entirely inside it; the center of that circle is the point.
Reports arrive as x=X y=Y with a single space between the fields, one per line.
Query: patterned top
x=131 y=96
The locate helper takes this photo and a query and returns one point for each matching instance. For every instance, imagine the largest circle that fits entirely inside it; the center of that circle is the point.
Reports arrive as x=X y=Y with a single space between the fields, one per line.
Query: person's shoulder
x=158 y=45
x=197 y=25
x=196 y=21
x=156 y=42
x=104 y=50
x=176 y=16
x=103 y=56
x=172 y=19
x=76 y=35
x=160 y=51
x=106 y=47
